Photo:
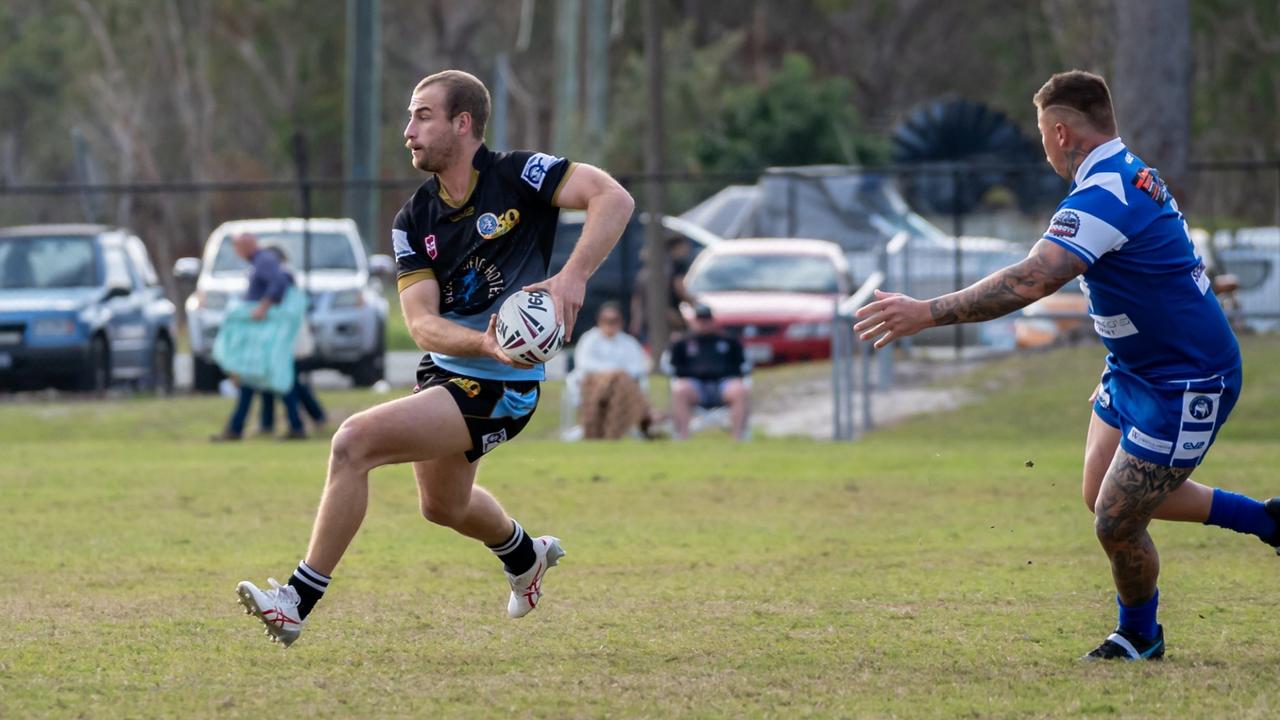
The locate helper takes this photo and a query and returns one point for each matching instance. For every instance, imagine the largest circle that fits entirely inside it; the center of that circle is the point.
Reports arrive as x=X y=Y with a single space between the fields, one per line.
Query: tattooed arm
x=893 y=315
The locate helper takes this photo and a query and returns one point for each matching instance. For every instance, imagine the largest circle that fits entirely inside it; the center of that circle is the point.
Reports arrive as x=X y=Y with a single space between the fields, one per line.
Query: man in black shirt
x=479 y=229
x=710 y=371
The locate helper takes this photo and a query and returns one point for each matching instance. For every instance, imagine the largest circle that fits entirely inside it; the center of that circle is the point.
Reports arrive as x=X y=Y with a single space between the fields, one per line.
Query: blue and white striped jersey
x=1148 y=291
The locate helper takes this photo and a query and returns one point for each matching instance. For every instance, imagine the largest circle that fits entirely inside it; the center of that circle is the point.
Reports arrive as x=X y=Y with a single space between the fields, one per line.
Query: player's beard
x=436 y=157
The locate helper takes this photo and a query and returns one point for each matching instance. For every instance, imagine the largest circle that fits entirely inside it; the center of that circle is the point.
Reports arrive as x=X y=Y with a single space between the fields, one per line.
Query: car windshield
x=329 y=251
x=38 y=263
x=766 y=272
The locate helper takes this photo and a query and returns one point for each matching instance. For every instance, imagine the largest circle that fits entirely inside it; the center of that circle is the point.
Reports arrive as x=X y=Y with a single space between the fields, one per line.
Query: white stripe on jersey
x=400 y=243
x=1093 y=236
x=1109 y=181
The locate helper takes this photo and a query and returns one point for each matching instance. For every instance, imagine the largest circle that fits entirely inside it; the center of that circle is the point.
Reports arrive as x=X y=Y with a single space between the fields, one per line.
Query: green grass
x=925 y=571
x=397 y=333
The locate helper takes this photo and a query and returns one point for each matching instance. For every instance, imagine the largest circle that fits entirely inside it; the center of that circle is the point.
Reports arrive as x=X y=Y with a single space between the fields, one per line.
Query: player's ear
x=1062 y=132
x=462 y=123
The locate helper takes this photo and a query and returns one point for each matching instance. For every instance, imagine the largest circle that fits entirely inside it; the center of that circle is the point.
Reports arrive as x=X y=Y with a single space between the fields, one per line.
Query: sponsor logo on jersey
x=469 y=386
x=429 y=243
x=1193 y=445
x=473 y=286
x=1201 y=407
x=536 y=167
x=463 y=215
x=1113 y=326
x=491 y=226
x=1148 y=181
x=1200 y=276
x=492 y=440
x=400 y=244
x=1065 y=224
x=1143 y=440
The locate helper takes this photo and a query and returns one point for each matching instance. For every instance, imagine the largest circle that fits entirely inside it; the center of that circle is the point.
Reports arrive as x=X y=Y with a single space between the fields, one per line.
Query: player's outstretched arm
x=893 y=315
x=608 y=207
x=420 y=303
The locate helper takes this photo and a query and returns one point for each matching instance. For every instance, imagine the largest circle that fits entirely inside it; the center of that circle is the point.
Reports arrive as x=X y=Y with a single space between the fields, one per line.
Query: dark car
x=81 y=307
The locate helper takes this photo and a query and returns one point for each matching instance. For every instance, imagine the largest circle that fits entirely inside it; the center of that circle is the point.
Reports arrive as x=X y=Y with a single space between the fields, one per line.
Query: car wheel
x=96 y=375
x=371 y=368
x=205 y=375
x=162 y=367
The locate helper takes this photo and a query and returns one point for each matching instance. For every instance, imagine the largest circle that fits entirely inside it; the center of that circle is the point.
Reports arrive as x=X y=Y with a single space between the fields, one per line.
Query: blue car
x=81 y=307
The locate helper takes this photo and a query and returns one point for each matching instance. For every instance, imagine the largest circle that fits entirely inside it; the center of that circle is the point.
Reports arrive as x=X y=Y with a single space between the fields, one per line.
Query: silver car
x=347 y=312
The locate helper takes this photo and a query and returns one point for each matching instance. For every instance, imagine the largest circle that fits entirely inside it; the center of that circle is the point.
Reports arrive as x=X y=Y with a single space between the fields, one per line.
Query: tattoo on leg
x=1130 y=494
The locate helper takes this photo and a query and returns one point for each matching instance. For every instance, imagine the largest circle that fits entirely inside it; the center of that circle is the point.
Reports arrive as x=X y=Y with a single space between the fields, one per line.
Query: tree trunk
x=1152 y=84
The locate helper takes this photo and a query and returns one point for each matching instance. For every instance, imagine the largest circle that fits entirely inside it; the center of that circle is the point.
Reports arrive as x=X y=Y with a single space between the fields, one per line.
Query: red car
x=776 y=294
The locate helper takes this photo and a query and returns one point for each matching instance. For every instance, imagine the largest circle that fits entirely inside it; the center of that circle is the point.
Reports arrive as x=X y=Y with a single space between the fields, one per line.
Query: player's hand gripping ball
x=527 y=330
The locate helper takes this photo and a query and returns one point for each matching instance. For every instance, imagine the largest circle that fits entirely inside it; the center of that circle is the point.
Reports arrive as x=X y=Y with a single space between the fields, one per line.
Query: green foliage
x=796 y=118
x=36 y=56
x=719 y=121
x=923 y=572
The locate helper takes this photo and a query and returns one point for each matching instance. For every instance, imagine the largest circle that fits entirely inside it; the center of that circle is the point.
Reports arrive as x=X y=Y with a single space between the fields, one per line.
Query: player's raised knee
x=352 y=442
x=443 y=513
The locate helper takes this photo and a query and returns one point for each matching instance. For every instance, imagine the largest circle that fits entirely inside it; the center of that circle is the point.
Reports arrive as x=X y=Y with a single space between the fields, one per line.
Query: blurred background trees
x=198 y=90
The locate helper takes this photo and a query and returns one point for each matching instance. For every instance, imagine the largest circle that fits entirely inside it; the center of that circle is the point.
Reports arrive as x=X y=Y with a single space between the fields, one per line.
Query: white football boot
x=277 y=608
x=526 y=588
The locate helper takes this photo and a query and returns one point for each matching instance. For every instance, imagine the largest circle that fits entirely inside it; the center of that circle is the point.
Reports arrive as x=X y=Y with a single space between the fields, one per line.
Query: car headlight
x=806 y=331
x=54 y=327
x=347 y=299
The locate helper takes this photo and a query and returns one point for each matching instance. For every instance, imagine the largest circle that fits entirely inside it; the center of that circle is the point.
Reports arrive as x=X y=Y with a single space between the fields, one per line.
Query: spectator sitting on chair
x=710 y=371
x=613 y=367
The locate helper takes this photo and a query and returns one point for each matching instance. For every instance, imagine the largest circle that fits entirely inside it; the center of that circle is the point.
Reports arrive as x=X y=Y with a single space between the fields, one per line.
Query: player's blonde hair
x=464 y=93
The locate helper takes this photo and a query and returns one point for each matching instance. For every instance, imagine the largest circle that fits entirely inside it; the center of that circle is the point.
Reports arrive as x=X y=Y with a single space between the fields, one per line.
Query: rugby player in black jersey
x=479 y=229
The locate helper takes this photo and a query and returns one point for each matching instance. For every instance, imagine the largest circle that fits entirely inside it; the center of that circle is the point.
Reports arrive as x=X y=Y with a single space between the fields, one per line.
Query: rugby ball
x=527 y=329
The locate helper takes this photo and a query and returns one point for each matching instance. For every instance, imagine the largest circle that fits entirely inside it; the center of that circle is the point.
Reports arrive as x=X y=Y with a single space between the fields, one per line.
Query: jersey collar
x=1100 y=153
x=479 y=161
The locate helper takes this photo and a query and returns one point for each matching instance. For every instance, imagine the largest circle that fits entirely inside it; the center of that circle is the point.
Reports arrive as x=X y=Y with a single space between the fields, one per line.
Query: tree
x=1151 y=85
x=796 y=118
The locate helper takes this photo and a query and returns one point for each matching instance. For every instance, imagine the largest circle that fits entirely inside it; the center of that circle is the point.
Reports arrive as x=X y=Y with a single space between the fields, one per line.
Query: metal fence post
x=957 y=228
x=884 y=359
x=838 y=389
x=864 y=353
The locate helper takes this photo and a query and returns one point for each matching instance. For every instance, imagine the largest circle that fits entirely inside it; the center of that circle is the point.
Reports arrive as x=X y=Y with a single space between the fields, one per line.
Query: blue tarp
x=260 y=352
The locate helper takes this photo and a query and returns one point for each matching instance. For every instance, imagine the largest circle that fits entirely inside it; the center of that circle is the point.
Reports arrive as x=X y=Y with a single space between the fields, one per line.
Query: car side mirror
x=382 y=266
x=115 y=291
x=187 y=268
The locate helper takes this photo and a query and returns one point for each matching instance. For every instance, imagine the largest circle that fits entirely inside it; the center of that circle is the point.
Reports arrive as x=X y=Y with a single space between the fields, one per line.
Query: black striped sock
x=310 y=586
x=516 y=552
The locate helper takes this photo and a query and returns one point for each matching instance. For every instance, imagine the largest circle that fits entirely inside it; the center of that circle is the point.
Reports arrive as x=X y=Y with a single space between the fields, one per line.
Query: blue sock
x=1240 y=513
x=1140 y=619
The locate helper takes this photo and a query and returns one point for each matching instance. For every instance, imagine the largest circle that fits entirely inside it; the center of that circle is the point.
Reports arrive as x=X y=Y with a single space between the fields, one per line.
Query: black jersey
x=708 y=357
x=484 y=248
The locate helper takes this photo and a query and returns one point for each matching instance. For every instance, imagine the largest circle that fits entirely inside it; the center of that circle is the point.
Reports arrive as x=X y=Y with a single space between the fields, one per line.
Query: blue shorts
x=711 y=392
x=1167 y=423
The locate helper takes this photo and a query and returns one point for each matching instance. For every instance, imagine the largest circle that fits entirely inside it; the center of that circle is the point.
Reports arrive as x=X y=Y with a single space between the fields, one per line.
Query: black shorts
x=495 y=410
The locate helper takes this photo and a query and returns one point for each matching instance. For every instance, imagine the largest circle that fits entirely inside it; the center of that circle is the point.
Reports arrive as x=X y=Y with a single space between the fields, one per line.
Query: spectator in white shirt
x=614 y=369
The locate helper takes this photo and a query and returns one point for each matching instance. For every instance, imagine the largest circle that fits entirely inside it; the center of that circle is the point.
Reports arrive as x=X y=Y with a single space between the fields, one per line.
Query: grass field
x=942 y=568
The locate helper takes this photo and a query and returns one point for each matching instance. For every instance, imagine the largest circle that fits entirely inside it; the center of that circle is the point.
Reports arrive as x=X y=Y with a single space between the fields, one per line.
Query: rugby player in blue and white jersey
x=1173 y=370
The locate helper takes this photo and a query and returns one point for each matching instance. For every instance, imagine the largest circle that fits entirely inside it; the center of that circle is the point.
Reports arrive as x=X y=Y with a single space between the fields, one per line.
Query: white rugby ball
x=527 y=329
